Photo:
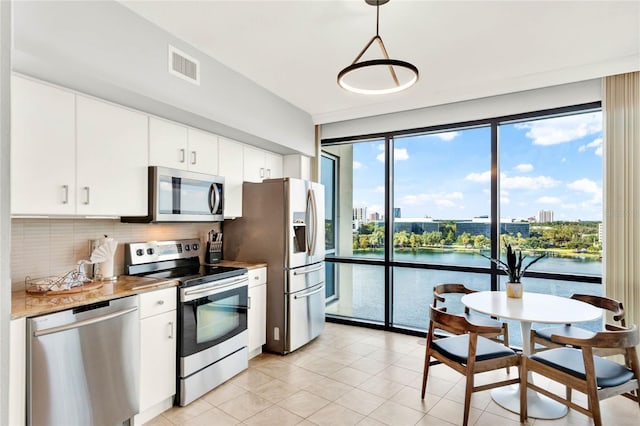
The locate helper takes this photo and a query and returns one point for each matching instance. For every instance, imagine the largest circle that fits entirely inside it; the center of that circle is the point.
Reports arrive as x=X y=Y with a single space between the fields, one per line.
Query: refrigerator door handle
x=307 y=271
x=312 y=225
x=300 y=296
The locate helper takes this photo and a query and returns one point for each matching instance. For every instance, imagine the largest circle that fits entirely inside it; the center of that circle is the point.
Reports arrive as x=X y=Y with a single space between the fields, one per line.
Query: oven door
x=212 y=313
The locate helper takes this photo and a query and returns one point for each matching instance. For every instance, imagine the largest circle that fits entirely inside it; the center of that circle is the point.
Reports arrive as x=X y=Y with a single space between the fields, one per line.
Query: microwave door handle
x=214 y=198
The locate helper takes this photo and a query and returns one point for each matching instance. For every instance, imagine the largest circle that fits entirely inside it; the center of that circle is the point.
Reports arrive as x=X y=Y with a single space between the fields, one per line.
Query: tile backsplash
x=45 y=247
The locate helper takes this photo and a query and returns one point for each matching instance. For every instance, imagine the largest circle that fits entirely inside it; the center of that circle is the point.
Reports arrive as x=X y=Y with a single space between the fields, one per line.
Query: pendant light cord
x=377 y=18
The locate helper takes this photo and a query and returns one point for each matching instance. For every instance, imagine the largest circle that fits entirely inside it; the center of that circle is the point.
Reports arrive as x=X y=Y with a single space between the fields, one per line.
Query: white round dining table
x=532 y=307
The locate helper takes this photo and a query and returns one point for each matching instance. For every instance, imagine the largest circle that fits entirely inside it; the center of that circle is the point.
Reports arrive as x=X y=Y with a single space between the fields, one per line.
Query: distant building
x=360 y=213
x=396 y=212
x=600 y=231
x=545 y=216
x=374 y=216
x=482 y=226
x=416 y=225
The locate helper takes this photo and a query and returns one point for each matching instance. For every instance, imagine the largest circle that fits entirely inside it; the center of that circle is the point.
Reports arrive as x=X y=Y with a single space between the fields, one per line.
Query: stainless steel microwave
x=182 y=196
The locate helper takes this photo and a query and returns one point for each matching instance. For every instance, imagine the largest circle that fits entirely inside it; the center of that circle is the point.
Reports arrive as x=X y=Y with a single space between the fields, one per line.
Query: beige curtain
x=621 y=130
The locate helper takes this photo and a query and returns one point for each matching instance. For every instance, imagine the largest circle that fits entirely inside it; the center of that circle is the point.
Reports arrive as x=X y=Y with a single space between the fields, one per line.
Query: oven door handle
x=213 y=289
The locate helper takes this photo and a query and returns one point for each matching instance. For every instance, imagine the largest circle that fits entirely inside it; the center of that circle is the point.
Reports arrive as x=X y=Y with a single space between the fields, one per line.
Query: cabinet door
x=257 y=319
x=203 y=152
x=17 y=371
x=112 y=144
x=273 y=165
x=157 y=359
x=230 y=166
x=254 y=170
x=43 y=163
x=167 y=144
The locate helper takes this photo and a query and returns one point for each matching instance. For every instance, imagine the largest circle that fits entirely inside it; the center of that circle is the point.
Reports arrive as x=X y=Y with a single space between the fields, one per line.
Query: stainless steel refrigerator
x=282 y=224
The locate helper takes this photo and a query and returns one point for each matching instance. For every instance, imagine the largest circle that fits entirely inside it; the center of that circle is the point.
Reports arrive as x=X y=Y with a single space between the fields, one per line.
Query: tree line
x=576 y=236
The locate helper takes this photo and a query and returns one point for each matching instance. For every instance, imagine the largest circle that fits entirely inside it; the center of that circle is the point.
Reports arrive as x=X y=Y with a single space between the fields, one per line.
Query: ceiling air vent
x=184 y=66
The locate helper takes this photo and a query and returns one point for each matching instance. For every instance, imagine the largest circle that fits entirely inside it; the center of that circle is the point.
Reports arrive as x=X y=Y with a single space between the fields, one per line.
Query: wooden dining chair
x=575 y=366
x=439 y=292
x=467 y=352
x=543 y=336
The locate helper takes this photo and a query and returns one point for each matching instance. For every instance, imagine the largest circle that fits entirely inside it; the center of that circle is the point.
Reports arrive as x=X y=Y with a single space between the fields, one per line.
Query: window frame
x=388 y=262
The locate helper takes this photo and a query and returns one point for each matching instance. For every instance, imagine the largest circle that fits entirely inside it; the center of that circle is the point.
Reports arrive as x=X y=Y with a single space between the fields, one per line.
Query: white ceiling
x=463 y=49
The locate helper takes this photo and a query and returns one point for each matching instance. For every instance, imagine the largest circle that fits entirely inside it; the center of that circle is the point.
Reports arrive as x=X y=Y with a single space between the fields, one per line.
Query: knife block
x=213 y=254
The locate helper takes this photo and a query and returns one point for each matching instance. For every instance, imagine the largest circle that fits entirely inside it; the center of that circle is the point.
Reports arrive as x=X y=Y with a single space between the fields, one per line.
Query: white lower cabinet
x=17 y=372
x=158 y=334
x=257 y=316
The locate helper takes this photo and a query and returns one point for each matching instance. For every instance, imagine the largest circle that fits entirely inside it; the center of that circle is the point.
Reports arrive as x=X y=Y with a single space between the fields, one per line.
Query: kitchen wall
x=44 y=247
x=104 y=49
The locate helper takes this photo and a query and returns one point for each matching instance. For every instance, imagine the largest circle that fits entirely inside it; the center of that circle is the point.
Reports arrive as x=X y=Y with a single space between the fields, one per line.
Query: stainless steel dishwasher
x=83 y=365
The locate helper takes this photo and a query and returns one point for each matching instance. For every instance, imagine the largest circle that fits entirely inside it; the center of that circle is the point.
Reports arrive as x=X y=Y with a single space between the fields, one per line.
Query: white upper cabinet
x=180 y=147
x=203 y=152
x=167 y=144
x=112 y=149
x=259 y=164
x=230 y=165
x=43 y=160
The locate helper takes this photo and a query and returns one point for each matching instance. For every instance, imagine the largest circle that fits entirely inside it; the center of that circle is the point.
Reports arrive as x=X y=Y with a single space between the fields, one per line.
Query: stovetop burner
x=171 y=260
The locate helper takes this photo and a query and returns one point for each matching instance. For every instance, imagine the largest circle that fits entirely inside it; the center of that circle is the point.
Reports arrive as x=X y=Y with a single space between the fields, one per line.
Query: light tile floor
x=357 y=376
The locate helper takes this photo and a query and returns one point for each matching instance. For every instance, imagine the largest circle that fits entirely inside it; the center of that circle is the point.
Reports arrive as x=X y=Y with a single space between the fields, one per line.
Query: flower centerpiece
x=514 y=269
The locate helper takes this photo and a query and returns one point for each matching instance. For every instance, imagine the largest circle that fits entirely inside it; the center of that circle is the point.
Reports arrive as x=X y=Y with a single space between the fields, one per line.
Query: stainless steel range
x=212 y=312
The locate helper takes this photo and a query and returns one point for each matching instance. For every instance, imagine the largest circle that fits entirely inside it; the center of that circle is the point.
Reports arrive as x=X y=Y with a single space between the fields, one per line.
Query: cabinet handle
x=256 y=277
x=248 y=303
x=268 y=173
x=160 y=302
x=65 y=194
x=171 y=330
x=261 y=172
x=182 y=154
x=193 y=157
x=88 y=193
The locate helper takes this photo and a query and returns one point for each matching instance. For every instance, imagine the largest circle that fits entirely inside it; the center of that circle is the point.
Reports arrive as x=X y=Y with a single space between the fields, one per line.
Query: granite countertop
x=241 y=264
x=24 y=304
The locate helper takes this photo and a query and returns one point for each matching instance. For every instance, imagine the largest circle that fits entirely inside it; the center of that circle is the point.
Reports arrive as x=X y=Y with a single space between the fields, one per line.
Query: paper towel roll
x=103 y=256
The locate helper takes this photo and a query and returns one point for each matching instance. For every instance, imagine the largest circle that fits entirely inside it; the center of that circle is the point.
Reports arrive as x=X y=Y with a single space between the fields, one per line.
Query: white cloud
x=445 y=203
x=504 y=200
x=479 y=177
x=447 y=136
x=562 y=129
x=596 y=144
x=527 y=182
x=399 y=154
x=441 y=199
x=549 y=200
x=379 y=189
x=525 y=167
x=357 y=165
x=585 y=185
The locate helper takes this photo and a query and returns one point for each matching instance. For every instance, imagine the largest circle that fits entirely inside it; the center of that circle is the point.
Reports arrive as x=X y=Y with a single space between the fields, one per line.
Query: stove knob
x=149 y=251
x=195 y=246
x=139 y=252
x=187 y=247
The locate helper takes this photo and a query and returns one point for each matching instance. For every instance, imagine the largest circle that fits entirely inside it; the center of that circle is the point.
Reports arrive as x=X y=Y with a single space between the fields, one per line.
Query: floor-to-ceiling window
x=421 y=207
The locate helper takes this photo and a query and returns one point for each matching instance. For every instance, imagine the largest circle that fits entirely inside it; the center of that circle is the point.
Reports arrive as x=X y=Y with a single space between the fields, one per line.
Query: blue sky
x=552 y=164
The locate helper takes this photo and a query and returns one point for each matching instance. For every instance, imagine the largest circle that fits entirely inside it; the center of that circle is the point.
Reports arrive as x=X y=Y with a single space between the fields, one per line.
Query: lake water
x=413 y=288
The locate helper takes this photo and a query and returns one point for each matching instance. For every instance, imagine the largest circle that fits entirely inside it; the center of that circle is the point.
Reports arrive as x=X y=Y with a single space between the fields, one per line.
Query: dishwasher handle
x=82 y=323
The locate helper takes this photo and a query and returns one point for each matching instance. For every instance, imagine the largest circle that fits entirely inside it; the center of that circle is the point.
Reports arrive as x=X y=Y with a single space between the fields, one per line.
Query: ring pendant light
x=369 y=84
